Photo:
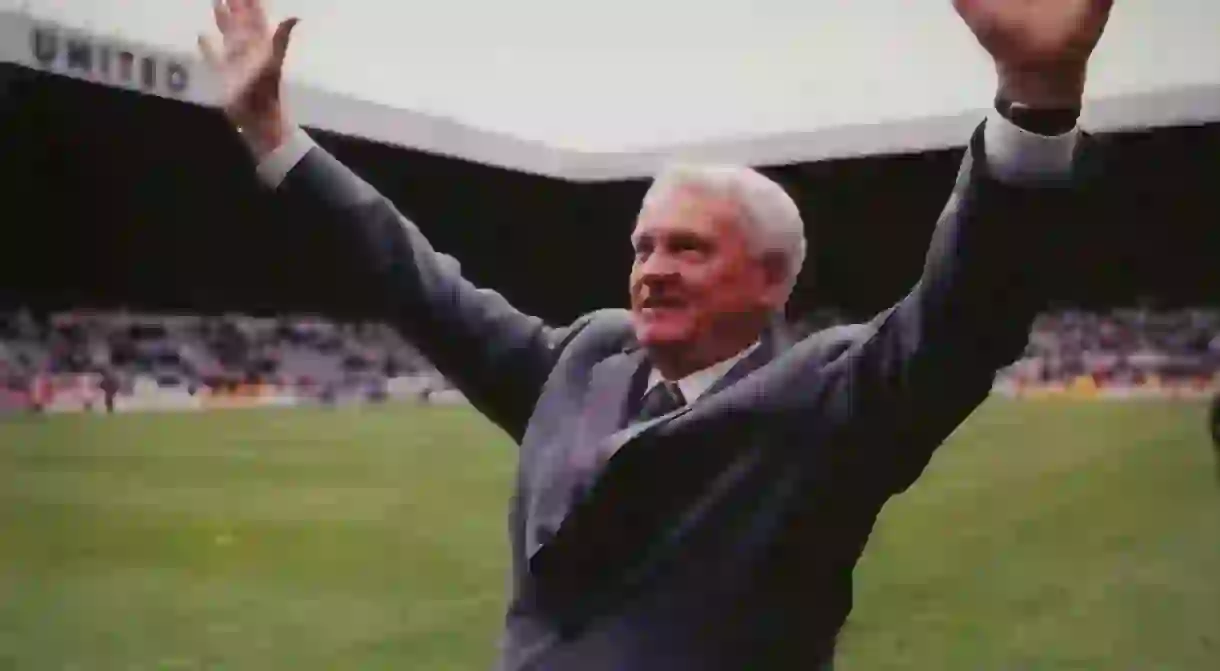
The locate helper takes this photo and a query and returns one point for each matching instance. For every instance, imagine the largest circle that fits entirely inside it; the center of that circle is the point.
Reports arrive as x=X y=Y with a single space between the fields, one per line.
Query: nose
x=657 y=265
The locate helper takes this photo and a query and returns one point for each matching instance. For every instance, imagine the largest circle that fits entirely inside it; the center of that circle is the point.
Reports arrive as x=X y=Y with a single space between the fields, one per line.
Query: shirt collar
x=696 y=384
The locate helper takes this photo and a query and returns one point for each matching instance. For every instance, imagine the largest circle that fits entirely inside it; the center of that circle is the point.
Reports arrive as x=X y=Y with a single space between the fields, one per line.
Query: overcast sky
x=628 y=74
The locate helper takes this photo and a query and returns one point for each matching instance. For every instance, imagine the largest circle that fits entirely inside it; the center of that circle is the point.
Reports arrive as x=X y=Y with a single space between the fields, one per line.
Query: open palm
x=1036 y=34
x=250 y=64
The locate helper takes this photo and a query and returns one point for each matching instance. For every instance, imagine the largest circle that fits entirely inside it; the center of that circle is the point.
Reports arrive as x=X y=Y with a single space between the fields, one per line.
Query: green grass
x=1050 y=535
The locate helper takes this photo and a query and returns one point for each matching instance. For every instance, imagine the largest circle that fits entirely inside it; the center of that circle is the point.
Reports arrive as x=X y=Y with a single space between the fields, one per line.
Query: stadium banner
x=51 y=47
x=82 y=393
x=70 y=394
x=48 y=45
x=1084 y=391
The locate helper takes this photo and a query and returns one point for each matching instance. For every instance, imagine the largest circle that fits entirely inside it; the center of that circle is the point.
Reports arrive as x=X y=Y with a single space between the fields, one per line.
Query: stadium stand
x=60 y=362
x=1120 y=354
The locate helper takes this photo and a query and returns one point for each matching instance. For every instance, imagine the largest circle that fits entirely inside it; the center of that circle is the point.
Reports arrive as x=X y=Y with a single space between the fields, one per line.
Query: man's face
x=695 y=283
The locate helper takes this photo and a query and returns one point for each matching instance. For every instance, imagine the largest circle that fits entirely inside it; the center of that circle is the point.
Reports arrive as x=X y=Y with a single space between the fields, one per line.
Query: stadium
x=216 y=452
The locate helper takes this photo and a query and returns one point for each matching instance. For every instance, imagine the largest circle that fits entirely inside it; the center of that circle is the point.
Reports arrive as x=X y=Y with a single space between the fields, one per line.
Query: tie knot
x=662 y=399
x=675 y=392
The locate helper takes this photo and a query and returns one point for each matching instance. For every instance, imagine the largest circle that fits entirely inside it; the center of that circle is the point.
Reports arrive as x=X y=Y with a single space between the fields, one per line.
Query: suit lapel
x=614 y=381
x=611 y=385
x=773 y=341
x=603 y=411
x=620 y=476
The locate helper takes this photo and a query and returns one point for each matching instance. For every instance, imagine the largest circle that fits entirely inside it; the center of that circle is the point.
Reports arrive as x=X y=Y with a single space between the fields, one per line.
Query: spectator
x=110 y=388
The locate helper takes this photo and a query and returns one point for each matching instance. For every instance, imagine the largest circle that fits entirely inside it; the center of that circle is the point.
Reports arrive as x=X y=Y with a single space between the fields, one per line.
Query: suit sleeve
x=498 y=357
x=922 y=366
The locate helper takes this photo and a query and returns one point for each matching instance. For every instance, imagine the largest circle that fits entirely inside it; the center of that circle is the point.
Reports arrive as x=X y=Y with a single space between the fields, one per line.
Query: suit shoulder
x=602 y=331
x=831 y=343
x=611 y=327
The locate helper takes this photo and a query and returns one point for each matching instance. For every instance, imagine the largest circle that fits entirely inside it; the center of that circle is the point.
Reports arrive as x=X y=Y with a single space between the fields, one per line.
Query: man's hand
x=1041 y=48
x=249 y=69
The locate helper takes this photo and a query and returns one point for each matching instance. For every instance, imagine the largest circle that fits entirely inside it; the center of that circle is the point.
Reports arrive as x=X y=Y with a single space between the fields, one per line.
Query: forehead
x=687 y=210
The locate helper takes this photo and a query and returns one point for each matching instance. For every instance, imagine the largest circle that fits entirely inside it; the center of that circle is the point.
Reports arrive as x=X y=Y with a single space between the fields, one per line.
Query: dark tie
x=662 y=399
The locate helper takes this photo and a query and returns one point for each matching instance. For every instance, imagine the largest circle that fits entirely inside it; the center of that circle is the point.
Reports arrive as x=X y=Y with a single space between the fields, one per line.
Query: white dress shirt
x=696 y=384
x=1013 y=155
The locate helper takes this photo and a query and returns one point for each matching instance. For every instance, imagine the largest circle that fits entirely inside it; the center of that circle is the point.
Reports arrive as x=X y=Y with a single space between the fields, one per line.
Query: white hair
x=771 y=223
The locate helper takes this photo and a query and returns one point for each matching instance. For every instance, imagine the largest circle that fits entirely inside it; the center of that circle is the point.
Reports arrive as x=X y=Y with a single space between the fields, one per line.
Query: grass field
x=1044 y=536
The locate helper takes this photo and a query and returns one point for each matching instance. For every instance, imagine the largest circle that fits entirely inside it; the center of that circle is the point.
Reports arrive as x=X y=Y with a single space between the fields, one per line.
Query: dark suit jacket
x=723 y=535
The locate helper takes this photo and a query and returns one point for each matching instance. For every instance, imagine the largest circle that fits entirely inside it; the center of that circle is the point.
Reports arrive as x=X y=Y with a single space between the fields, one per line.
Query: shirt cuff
x=1017 y=155
x=276 y=166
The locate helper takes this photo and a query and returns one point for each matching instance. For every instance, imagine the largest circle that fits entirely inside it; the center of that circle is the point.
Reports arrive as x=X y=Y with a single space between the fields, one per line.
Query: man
x=42 y=392
x=110 y=388
x=695 y=487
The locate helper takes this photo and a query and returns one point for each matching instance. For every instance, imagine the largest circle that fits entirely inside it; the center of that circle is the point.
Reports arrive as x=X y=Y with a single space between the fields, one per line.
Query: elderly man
x=695 y=487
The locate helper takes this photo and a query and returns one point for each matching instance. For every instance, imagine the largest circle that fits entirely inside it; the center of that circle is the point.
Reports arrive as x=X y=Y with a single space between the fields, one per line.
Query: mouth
x=662 y=302
x=658 y=305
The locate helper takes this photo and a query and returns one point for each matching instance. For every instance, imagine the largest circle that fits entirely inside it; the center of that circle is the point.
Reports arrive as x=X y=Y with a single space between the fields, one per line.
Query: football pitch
x=1045 y=535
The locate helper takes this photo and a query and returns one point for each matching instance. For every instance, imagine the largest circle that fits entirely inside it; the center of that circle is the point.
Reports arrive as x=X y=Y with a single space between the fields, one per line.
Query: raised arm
x=1001 y=242
x=497 y=356
x=929 y=361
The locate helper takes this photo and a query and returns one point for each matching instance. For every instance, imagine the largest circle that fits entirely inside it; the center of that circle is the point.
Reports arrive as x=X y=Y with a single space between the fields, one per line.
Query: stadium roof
x=588 y=91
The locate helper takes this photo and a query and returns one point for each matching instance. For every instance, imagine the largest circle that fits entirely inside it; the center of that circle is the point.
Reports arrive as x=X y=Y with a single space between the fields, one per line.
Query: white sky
x=633 y=74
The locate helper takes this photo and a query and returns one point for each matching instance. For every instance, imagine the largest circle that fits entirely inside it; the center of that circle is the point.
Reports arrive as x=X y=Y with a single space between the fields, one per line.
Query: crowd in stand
x=207 y=354
x=1133 y=347
x=1124 y=347
x=321 y=359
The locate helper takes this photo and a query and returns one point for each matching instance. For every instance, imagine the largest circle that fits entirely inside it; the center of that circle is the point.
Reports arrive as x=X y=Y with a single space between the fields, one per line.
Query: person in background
x=42 y=392
x=696 y=486
x=110 y=388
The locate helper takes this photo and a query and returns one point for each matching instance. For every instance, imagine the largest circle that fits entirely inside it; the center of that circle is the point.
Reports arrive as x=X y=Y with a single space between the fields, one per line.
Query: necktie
x=662 y=399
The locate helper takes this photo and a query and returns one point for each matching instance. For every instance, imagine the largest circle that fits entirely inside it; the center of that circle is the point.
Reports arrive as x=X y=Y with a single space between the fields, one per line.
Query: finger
x=257 y=14
x=1103 y=8
x=964 y=6
x=224 y=20
x=210 y=56
x=237 y=10
x=1098 y=15
x=283 y=32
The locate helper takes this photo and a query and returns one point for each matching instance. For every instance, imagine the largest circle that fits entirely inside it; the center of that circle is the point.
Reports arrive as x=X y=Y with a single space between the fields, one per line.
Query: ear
x=775 y=275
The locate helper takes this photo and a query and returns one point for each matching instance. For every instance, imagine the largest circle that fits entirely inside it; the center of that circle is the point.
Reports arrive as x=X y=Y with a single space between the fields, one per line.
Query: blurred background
x=286 y=481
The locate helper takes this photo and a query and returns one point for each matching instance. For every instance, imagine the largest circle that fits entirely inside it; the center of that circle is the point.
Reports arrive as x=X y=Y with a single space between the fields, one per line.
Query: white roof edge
x=448 y=137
